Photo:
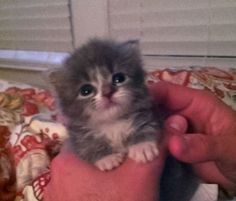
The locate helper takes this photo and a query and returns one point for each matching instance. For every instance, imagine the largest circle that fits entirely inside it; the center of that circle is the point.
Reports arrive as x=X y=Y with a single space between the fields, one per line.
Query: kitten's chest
x=117 y=132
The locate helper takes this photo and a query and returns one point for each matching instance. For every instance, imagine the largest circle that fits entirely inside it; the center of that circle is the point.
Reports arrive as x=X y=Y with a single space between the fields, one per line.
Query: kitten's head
x=100 y=81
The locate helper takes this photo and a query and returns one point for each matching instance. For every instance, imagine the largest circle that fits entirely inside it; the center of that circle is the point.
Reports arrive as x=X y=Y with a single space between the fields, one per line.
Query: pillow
x=222 y=82
x=27 y=137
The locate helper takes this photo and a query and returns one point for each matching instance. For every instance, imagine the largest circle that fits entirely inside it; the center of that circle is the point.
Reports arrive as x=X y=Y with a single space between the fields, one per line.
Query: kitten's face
x=107 y=95
x=100 y=81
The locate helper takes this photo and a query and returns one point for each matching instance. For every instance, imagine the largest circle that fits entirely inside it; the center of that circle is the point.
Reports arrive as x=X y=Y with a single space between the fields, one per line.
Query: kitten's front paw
x=143 y=152
x=109 y=162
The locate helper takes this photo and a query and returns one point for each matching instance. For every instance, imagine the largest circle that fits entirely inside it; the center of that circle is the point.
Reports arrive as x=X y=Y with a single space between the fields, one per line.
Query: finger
x=175 y=97
x=195 y=148
x=210 y=173
x=175 y=124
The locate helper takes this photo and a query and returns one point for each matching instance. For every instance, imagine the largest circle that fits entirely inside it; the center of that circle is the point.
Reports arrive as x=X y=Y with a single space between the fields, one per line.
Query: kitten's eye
x=118 y=78
x=86 y=90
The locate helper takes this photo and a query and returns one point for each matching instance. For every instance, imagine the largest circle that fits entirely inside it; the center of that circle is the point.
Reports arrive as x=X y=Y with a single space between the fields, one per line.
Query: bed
x=31 y=131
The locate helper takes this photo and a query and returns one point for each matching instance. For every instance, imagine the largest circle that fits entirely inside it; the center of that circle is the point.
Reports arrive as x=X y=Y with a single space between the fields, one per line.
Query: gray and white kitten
x=101 y=91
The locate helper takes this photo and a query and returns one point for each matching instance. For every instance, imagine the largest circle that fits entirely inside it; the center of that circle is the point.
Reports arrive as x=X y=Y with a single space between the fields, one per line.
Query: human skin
x=211 y=146
x=72 y=179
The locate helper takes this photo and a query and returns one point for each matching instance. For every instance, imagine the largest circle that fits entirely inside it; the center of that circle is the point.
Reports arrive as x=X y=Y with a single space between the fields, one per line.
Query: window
x=40 y=34
x=178 y=31
x=33 y=33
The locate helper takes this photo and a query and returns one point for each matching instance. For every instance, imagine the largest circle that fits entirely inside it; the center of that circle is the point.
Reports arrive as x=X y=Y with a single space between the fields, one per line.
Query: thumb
x=194 y=148
x=190 y=148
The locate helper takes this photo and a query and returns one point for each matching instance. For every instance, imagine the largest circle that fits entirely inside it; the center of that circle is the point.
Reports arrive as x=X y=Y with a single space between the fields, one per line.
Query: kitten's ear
x=56 y=77
x=130 y=48
x=131 y=45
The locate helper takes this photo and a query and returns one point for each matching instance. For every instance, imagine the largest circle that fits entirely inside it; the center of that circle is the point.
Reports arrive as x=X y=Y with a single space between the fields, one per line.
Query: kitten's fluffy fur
x=116 y=118
x=102 y=132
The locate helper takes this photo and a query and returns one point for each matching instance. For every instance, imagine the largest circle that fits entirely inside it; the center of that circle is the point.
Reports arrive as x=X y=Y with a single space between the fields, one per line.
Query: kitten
x=101 y=90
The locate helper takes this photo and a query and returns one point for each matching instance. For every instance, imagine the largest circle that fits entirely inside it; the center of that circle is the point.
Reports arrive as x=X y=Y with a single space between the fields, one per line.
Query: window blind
x=176 y=27
x=35 y=25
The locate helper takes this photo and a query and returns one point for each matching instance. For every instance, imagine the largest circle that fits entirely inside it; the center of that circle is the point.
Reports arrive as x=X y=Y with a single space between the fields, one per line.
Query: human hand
x=73 y=180
x=211 y=146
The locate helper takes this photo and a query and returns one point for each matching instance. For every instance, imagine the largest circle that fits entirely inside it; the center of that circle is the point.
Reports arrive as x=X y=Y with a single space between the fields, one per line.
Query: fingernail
x=175 y=126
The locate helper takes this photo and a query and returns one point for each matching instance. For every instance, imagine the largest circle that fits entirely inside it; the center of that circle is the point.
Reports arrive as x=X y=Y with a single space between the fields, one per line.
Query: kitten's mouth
x=109 y=103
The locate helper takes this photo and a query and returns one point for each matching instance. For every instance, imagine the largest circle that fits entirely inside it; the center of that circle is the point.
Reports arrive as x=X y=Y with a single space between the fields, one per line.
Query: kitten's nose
x=107 y=91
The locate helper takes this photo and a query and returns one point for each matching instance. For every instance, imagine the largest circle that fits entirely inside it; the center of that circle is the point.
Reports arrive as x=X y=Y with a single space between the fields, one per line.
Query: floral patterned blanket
x=31 y=135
